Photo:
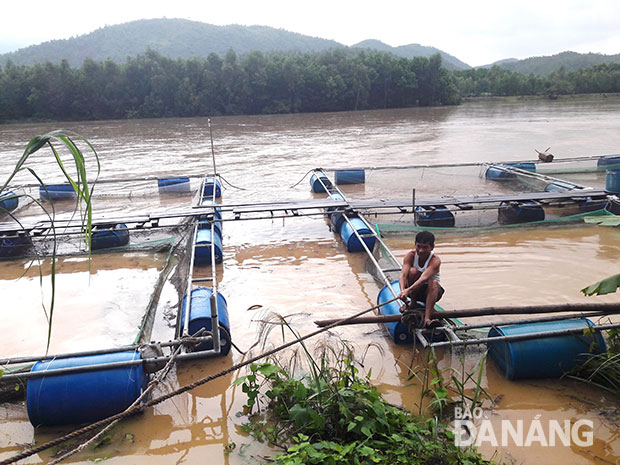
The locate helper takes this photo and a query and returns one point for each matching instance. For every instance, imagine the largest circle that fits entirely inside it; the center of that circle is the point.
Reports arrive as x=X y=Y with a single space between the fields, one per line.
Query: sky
x=477 y=32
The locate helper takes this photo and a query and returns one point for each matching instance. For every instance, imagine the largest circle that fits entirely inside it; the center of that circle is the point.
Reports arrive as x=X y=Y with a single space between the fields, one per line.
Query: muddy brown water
x=297 y=267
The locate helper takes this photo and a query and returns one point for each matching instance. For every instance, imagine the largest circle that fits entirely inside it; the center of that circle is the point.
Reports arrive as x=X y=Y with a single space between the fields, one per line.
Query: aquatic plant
x=80 y=185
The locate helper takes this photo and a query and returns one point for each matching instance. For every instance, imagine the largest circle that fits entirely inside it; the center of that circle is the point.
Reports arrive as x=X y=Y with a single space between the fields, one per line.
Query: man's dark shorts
x=421 y=295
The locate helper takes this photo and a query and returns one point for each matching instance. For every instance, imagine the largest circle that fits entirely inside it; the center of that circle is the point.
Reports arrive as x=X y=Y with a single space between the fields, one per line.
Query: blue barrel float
x=520 y=212
x=174 y=185
x=204 y=241
x=495 y=173
x=316 y=185
x=14 y=243
x=608 y=162
x=436 y=216
x=83 y=397
x=216 y=214
x=351 y=240
x=8 y=202
x=613 y=205
x=612 y=181
x=336 y=218
x=200 y=317
x=57 y=192
x=210 y=185
x=544 y=357
x=350 y=176
x=106 y=236
x=398 y=331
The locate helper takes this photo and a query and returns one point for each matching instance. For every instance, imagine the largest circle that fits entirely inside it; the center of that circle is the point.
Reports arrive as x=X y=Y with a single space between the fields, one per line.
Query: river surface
x=298 y=268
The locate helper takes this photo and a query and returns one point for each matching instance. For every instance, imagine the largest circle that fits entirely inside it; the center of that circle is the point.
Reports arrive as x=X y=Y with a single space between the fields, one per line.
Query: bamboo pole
x=487 y=311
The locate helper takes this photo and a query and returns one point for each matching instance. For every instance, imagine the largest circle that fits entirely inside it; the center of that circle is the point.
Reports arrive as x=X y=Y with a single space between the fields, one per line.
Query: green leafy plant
x=605 y=286
x=80 y=184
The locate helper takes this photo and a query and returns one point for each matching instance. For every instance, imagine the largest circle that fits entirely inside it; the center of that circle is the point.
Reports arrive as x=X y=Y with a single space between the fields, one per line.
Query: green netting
x=403 y=228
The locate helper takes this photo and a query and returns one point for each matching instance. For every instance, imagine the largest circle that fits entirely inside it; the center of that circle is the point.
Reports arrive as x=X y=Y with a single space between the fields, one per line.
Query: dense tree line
x=498 y=81
x=152 y=85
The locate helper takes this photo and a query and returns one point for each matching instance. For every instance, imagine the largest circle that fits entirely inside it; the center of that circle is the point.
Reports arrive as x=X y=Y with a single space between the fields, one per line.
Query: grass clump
x=333 y=415
x=603 y=370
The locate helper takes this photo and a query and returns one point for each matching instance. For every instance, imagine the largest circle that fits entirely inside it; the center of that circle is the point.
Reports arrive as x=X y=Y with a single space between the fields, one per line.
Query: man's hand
x=403 y=295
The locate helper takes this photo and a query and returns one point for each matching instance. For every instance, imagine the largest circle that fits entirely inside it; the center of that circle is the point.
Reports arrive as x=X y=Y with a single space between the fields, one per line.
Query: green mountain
x=175 y=38
x=545 y=65
x=414 y=50
x=181 y=38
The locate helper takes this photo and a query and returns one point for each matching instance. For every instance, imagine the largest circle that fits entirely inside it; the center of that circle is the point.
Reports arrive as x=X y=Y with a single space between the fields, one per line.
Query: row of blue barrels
x=207 y=237
x=17 y=243
x=348 y=229
x=340 y=177
x=182 y=184
x=543 y=357
x=496 y=173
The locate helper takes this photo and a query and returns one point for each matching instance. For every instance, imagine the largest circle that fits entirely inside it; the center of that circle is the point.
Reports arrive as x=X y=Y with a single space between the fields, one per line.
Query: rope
x=140 y=407
x=304 y=177
x=231 y=185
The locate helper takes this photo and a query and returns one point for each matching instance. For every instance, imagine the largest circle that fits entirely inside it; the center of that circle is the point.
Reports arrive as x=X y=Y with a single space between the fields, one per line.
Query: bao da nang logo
x=472 y=427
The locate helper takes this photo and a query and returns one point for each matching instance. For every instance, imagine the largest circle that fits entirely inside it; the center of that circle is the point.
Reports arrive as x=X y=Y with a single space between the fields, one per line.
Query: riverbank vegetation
x=152 y=85
x=329 y=413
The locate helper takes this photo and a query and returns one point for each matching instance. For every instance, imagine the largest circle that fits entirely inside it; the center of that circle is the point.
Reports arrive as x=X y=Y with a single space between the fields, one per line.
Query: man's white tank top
x=421 y=269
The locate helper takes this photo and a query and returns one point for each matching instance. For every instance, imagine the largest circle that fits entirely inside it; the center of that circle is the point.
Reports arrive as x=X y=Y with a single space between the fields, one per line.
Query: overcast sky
x=477 y=32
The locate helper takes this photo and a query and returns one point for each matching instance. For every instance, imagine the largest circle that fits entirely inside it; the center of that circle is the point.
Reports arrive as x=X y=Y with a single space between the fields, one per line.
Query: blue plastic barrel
x=351 y=240
x=83 y=397
x=14 y=244
x=176 y=185
x=108 y=236
x=398 y=331
x=200 y=317
x=210 y=184
x=350 y=176
x=316 y=185
x=204 y=242
x=8 y=202
x=336 y=218
x=206 y=220
x=545 y=357
x=57 y=192
x=524 y=166
x=496 y=174
x=559 y=186
x=612 y=181
x=613 y=205
x=436 y=216
x=520 y=212
x=609 y=161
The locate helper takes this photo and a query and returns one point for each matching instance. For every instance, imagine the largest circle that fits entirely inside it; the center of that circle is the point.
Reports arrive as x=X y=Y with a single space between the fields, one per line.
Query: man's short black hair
x=425 y=237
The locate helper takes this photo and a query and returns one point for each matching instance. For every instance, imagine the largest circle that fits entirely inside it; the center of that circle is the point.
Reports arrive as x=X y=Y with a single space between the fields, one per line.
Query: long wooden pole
x=487 y=311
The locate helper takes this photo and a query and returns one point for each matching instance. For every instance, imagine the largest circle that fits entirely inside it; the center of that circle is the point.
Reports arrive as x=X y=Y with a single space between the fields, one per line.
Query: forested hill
x=181 y=38
x=568 y=61
x=414 y=50
x=174 y=38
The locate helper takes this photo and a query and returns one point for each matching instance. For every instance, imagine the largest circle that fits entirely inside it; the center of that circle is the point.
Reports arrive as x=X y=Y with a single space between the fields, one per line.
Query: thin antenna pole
x=212 y=149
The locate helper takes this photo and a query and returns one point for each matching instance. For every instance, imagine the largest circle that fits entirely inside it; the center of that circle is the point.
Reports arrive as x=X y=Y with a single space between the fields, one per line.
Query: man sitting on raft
x=419 y=278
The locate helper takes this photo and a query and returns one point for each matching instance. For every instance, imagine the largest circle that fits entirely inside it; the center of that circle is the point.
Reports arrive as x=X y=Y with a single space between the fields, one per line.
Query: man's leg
x=432 y=295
